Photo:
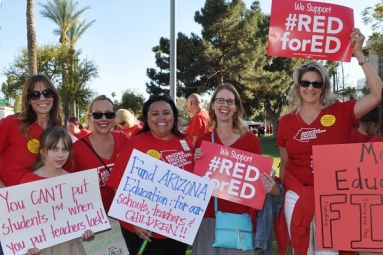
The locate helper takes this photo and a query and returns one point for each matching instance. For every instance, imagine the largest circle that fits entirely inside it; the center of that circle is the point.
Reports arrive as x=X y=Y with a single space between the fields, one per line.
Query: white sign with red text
x=47 y=212
x=162 y=198
x=236 y=173
x=307 y=29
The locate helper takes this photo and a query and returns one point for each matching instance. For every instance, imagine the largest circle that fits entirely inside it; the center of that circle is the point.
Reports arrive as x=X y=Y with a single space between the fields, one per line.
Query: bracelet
x=364 y=61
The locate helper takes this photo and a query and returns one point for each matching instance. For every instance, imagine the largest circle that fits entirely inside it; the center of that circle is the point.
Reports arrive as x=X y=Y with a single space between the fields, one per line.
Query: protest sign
x=236 y=173
x=162 y=198
x=307 y=29
x=109 y=242
x=44 y=213
x=348 y=186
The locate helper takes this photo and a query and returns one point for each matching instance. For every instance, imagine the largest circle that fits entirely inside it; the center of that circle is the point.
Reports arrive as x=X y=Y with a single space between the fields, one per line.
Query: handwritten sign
x=348 y=182
x=44 y=213
x=160 y=197
x=236 y=173
x=307 y=29
x=109 y=242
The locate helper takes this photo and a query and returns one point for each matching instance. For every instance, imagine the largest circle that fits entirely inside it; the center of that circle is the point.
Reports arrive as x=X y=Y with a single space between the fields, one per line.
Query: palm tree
x=66 y=14
x=31 y=38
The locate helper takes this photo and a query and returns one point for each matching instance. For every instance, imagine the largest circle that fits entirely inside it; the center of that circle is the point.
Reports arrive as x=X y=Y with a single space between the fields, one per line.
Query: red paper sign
x=236 y=173
x=306 y=29
x=349 y=196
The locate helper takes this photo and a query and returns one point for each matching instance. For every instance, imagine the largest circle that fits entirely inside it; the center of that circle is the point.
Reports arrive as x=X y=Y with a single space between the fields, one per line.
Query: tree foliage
x=232 y=49
x=132 y=99
x=49 y=59
x=373 y=15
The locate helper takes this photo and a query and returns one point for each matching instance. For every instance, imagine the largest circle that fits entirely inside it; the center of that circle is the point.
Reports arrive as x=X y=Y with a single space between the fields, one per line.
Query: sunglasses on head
x=35 y=94
x=158 y=97
x=306 y=84
x=108 y=115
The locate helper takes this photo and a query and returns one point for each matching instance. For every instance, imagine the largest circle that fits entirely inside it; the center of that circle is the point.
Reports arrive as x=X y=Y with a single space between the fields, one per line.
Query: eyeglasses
x=35 y=94
x=316 y=84
x=108 y=115
x=122 y=123
x=220 y=100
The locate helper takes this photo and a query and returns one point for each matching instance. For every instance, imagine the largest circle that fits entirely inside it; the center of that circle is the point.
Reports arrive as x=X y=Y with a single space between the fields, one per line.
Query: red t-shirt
x=17 y=153
x=130 y=131
x=377 y=139
x=85 y=159
x=146 y=142
x=198 y=124
x=332 y=126
x=83 y=132
x=249 y=142
x=30 y=177
x=357 y=137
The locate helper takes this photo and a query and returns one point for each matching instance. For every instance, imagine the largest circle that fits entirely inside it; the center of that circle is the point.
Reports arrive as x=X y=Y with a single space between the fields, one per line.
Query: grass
x=268 y=149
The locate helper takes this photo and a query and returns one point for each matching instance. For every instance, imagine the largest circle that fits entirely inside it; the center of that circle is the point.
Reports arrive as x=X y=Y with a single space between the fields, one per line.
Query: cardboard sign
x=160 y=197
x=109 y=242
x=44 y=213
x=236 y=173
x=348 y=186
x=307 y=29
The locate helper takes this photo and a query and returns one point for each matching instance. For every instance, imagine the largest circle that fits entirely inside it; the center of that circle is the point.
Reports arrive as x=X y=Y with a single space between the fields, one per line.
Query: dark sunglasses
x=158 y=97
x=35 y=94
x=108 y=115
x=122 y=123
x=306 y=84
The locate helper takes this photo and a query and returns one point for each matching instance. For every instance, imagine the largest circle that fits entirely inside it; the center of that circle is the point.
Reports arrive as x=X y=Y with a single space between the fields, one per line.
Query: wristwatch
x=364 y=61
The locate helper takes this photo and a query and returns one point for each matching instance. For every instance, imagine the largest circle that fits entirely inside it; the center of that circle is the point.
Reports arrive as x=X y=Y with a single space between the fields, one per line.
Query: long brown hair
x=27 y=115
x=49 y=139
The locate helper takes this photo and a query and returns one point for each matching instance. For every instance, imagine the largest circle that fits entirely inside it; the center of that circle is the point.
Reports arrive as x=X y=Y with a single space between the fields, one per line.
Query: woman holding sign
x=161 y=139
x=55 y=150
x=315 y=119
x=230 y=129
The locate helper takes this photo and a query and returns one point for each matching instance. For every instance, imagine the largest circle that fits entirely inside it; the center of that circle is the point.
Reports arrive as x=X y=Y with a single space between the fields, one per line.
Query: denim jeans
x=265 y=218
x=1 y=250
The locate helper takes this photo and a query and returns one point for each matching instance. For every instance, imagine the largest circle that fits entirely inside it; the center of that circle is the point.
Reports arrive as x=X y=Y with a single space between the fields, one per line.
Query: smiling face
x=160 y=119
x=41 y=106
x=102 y=125
x=56 y=156
x=224 y=112
x=310 y=94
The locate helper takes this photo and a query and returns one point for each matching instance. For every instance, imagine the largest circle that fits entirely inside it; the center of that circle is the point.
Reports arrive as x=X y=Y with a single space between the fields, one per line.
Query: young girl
x=55 y=149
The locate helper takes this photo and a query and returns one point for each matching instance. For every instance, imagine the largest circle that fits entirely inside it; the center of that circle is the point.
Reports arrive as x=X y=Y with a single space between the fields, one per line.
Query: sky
x=120 y=42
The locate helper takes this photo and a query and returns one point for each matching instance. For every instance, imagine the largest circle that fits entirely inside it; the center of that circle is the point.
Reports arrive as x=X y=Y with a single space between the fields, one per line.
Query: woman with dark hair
x=20 y=133
x=161 y=138
x=55 y=150
x=100 y=148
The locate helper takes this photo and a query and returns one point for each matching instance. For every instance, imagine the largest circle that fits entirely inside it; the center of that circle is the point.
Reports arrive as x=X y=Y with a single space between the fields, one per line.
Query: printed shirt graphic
x=332 y=126
x=170 y=151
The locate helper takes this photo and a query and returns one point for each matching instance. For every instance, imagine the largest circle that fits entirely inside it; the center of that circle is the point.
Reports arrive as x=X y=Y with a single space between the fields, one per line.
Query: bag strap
x=95 y=153
x=215 y=198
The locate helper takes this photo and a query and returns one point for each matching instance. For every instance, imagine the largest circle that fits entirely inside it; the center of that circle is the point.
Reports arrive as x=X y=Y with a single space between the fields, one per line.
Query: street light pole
x=173 y=50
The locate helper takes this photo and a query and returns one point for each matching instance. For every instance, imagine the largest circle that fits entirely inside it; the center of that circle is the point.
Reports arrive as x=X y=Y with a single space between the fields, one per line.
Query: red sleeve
x=119 y=167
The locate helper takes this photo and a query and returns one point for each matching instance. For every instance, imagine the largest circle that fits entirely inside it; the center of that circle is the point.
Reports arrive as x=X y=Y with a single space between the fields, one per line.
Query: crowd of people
x=35 y=146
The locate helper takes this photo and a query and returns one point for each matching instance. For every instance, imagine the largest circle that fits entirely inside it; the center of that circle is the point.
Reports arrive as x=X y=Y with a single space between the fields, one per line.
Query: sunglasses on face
x=122 y=123
x=108 y=115
x=35 y=94
x=306 y=84
x=220 y=100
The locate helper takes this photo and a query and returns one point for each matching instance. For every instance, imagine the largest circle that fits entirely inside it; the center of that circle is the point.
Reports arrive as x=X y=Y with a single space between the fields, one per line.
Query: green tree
x=49 y=59
x=66 y=14
x=373 y=15
x=31 y=39
x=132 y=99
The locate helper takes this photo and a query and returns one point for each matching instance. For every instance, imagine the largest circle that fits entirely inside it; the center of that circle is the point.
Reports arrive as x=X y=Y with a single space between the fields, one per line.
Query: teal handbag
x=233 y=231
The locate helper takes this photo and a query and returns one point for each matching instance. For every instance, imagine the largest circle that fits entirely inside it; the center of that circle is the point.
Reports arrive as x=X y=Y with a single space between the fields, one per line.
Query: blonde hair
x=126 y=116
